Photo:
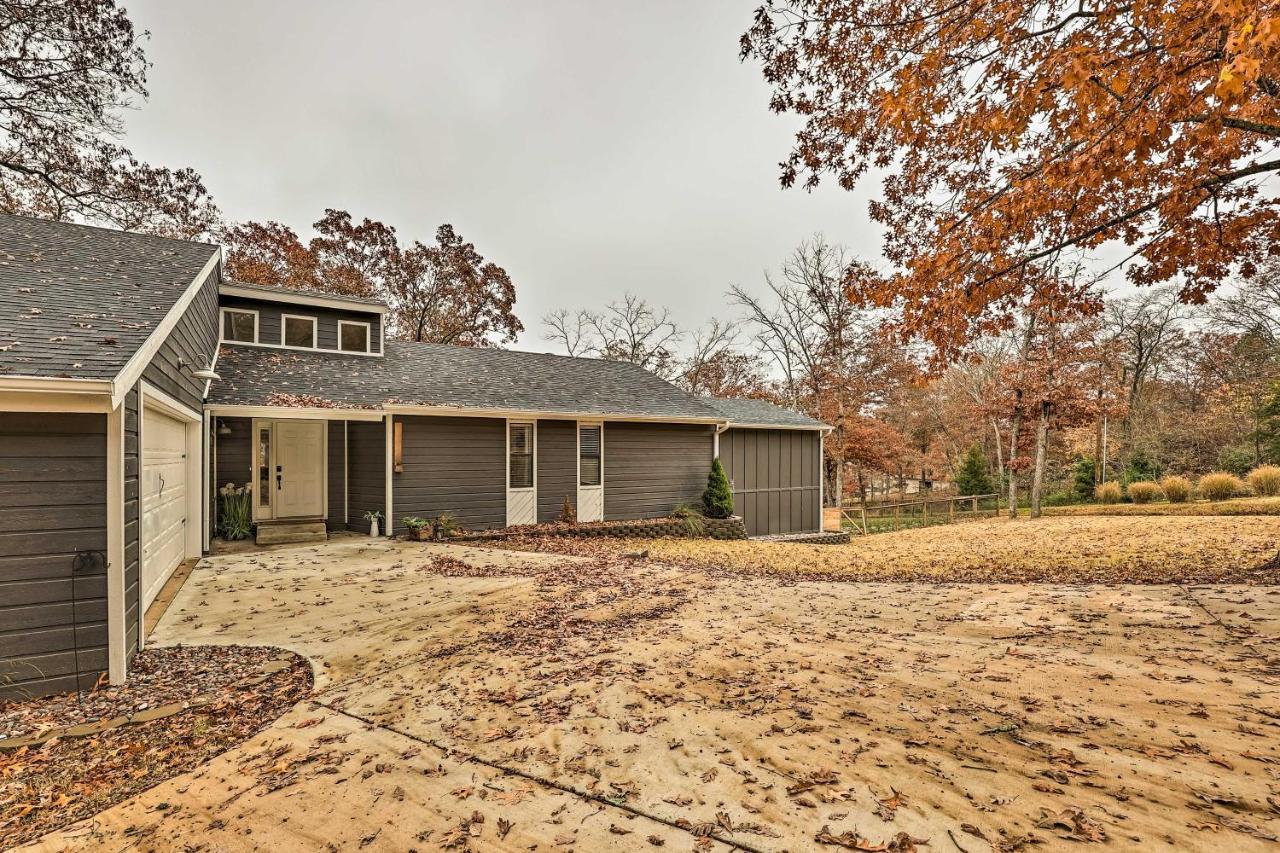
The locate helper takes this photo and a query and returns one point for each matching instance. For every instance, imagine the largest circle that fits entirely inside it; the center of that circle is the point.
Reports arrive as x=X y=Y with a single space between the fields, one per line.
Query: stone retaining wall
x=655 y=528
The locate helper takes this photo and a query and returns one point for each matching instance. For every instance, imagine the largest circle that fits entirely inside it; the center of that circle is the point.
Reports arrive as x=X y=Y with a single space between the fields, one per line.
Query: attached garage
x=167 y=489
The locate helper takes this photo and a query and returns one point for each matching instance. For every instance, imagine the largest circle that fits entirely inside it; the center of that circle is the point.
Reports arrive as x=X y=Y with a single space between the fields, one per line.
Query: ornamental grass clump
x=1265 y=480
x=1143 y=491
x=1107 y=493
x=1176 y=489
x=1219 y=486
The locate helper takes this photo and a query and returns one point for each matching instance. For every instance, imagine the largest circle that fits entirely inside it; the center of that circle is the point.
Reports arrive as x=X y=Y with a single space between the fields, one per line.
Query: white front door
x=522 y=472
x=299 y=469
x=163 y=496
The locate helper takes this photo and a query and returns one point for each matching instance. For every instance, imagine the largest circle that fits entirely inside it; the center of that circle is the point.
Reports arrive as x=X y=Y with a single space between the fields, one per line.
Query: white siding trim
x=117 y=635
x=316 y=301
x=388 y=526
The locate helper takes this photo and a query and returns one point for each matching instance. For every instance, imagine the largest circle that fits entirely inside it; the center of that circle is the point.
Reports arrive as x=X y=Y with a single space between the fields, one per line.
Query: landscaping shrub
x=973 y=476
x=717 y=499
x=1141 y=468
x=235 y=514
x=568 y=512
x=1235 y=460
x=1219 y=486
x=1083 y=478
x=1107 y=493
x=1265 y=480
x=1064 y=498
x=1143 y=491
x=1176 y=489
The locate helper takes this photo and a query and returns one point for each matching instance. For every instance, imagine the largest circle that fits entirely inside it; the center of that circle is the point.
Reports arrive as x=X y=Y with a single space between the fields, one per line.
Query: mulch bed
x=181 y=706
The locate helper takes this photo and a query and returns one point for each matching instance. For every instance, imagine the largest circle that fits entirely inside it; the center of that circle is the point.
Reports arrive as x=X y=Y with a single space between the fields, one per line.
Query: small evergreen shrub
x=1235 y=460
x=1083 y=478
x=1141 y=468
x=1219 y=486
x=1176 y=489
x=973 y=478
x=1063 y=498
x=1107 y=493
x=1143 y=491
x=1265 y=480
x=717 y=498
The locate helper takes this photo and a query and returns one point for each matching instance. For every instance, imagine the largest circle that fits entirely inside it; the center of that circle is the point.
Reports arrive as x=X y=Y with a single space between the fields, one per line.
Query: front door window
x=264 y=469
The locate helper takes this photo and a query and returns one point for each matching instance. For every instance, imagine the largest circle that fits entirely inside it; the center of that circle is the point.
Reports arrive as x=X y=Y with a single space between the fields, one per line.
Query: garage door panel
x=163 y=498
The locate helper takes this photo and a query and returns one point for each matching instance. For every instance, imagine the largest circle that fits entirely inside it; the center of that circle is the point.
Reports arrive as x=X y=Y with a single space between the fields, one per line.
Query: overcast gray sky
x=590 y=148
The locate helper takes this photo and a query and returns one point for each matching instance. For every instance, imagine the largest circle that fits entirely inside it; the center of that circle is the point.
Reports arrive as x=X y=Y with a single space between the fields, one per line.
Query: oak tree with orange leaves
x=1011 y=130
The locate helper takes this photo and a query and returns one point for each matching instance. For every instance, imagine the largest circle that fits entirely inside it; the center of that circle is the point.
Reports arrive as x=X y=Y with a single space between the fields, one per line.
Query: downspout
x=715 y=440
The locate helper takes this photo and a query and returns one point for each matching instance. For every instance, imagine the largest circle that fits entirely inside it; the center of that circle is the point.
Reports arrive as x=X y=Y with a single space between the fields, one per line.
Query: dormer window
x=299 y=331
x=353 y=336
x=240 y=325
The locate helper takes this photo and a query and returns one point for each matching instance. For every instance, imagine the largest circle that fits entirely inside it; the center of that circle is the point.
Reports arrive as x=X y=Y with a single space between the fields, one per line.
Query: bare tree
x=1254 y=305
x=629 y=330
x=717 y=367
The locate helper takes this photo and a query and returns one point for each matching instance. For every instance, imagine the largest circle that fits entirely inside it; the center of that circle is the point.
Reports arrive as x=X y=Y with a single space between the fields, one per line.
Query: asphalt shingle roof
x=440 y=375
x=78 y=301
x=759 y=412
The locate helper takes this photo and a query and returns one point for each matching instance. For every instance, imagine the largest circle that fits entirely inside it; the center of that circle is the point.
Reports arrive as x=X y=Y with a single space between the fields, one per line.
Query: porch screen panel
x=520 y=453
x=589 y=455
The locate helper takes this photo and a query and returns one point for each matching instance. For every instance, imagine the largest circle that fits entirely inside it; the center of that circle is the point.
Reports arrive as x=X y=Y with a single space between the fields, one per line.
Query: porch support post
x=389 y=526
x=117 y=645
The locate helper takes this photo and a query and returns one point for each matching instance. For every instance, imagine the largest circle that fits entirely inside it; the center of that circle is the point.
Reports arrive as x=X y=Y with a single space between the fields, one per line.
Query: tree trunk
x=999 y=454
x=1097 y=444
x=1014 y=434
x=1042 y=440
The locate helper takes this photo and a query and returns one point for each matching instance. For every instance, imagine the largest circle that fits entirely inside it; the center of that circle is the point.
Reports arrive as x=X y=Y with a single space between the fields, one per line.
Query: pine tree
x=717 y=499
x=973 y=477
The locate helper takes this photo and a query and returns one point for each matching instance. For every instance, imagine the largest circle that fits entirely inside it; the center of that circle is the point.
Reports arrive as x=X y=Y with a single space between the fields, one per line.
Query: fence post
x=951 y=510
x=895 y=515
x=865 y=532
x=975 y=506
x=926 y=513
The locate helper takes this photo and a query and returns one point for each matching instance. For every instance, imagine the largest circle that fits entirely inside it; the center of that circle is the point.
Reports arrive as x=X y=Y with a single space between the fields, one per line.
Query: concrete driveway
x=476 y=698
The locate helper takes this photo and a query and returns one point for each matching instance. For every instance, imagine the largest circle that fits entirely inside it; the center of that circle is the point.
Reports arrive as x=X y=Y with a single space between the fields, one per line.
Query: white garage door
x=163 y=497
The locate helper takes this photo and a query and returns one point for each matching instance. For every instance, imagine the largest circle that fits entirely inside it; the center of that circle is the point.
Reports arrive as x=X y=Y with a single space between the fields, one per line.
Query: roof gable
x=79 y=301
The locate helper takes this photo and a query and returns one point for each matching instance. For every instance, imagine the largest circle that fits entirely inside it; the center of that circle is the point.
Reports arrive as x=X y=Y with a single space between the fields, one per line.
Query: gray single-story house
x=135 y=382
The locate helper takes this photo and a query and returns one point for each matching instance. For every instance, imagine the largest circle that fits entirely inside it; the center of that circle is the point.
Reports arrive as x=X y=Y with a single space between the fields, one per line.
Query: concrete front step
x=290 y=532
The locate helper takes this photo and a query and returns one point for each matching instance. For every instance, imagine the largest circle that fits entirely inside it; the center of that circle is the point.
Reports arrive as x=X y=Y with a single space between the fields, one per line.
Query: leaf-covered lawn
x=1083 y=549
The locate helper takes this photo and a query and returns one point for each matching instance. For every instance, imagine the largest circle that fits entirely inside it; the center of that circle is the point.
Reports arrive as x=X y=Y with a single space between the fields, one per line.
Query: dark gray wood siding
x=337 y=475
x=366 y=471
x=269 y=314
x=453 y=465
x=557 y=446
x=650 y=469
x=53 y=482
x=194 y=340
x=775 y=478
x=232 y=461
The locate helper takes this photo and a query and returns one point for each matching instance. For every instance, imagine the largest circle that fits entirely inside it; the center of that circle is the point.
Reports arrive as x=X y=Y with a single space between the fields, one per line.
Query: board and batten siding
x=557 y=448
x=132 y=523
x=270 y=313
x=453 y=465
x=774 y=474
x=53 y=483
x=650 y=469
x=366 y=472
x=337 y=462
x=194 y=342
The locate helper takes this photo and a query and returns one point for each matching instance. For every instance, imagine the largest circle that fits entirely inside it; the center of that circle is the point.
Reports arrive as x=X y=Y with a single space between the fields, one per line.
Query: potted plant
x=444 y=526
x=419 y=528
x=373 y=518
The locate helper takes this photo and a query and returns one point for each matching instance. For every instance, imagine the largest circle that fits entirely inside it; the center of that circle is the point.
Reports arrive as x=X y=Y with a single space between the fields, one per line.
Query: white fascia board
x=473 y=412
x=132 y=371
x=301 y=298
x=289 y=412
x=823 y=428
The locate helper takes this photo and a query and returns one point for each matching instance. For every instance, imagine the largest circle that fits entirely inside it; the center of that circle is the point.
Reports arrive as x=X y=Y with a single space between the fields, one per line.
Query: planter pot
x=373 y=528
x=421 y=534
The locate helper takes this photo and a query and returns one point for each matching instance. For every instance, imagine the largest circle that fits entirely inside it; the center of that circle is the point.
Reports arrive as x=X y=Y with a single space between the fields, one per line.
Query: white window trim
x=368 y=337
x=222 y=324
x=533 y=453
x=577 y=445
x=315 y=331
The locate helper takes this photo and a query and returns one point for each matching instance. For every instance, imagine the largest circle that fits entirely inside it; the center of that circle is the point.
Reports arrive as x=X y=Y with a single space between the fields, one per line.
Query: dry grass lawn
x=1084 y=549
x=474 y=699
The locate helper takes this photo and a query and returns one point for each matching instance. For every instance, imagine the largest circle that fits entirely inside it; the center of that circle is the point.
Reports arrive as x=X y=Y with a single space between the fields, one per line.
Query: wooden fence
x=877 y=518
